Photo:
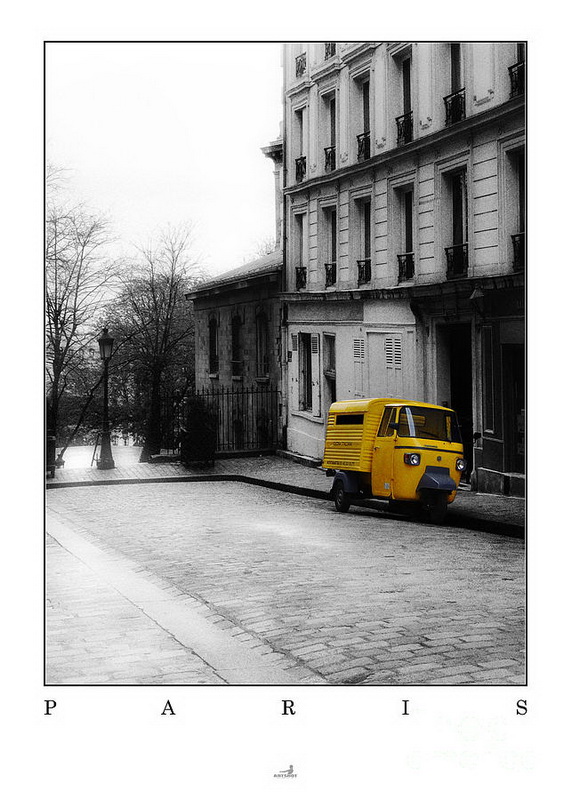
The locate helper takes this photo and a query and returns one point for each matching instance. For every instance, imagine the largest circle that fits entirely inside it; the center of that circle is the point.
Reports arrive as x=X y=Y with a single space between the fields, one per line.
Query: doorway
x=513 y=361
x=454 y=360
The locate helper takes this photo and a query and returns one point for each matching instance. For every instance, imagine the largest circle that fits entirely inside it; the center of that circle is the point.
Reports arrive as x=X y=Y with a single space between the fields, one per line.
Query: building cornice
x=460 y=287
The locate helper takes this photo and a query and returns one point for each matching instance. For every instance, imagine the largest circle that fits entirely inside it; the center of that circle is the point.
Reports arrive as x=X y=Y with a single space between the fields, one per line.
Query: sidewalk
x=492 y=513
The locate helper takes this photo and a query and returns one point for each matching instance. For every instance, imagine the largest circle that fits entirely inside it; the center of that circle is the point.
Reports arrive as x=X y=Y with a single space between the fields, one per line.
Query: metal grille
x=455 y=105
x=247 y=419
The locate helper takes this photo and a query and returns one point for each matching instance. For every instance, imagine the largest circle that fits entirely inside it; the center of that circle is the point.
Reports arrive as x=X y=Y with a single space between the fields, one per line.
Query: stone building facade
x=404 y=251
x=238 y=326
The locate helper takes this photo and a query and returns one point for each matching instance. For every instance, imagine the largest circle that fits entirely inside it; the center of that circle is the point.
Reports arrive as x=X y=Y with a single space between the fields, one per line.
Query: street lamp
x=105 y=460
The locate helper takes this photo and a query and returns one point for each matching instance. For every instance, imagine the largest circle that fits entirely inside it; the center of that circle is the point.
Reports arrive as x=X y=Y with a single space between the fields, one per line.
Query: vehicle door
x=383 y=454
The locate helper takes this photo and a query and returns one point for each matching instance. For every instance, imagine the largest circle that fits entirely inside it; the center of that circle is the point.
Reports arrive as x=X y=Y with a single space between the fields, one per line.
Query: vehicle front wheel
x=436 y=509
x=342 y=502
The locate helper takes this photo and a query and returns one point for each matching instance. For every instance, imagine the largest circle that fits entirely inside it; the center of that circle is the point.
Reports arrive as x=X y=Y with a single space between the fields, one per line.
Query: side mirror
x=477 y=435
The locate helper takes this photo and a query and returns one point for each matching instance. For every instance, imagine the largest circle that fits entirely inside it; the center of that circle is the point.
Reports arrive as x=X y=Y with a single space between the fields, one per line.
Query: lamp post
x=105 y=460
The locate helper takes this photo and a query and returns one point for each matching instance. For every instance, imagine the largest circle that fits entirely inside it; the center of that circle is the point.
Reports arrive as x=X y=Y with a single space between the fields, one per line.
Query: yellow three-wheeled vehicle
x=402 y=451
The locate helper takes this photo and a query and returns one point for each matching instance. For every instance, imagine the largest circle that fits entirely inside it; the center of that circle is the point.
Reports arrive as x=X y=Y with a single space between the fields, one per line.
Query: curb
x=454 y=518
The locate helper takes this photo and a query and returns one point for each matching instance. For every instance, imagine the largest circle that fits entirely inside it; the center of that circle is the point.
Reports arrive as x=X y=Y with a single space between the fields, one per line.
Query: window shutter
x=316 y=376
x=359 y=365
x=393 y=364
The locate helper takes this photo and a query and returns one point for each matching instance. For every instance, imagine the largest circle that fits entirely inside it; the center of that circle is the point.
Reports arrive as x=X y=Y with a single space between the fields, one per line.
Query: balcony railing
x=363 y=271
x=330 y=49
x=300 y=65
x=404 y=128
x=363 y=146
x=406 y=266
x=518 y=241
x=455 y=105
x=300 y=277
x=330 y=274
x=456 y=260
x=329 y=158
x=300 y=168
x=517 y=79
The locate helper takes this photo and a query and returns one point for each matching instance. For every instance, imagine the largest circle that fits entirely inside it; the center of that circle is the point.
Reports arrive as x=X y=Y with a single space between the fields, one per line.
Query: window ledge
x=307 y=415
x=238 y=378
x=214 y=376
x=263 y=379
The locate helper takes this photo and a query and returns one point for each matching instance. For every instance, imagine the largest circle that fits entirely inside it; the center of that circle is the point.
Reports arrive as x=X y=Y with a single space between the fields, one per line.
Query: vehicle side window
x=389 y=416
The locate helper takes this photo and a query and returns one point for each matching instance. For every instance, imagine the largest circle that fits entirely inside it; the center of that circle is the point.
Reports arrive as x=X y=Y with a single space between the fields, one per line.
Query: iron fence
x=247 y=418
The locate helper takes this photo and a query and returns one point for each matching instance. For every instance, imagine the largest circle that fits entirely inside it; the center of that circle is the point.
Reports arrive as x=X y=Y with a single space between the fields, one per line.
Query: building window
x=406 y=256
x=364 y=138
x=364 y=262
x=305 y=372
x=404 y=122
x=300 y=250
x=330 y=219
x=517 y=72
x=237 y=352
x=516 y=193
x=213 y=362
x=300 y=134
x=331 y=132
x=300 y=65
x=457 y=197
x=329 y=369
x=455 y=102
x=262 y=355
x=330 y=49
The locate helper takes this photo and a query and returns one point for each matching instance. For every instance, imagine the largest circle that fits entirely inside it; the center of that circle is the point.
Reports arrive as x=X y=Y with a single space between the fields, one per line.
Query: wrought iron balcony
x=330 y=274
x=300 y=277
x=363 y=271
x=363 y=146
x=330 y=49
x=456 y=260
x=300 y=168
x=518 y=241
x=455 y=105
x=300 y=65
x=329 y=158
x=406 y=266
x=404 y=128
x=517 y=79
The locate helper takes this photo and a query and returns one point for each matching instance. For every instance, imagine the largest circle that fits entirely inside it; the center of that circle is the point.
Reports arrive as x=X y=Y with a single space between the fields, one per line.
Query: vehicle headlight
x=412 y=458
x=460 y=464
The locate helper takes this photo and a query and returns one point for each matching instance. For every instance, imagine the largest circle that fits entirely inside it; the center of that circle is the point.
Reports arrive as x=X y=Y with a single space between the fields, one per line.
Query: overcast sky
x=169 y=133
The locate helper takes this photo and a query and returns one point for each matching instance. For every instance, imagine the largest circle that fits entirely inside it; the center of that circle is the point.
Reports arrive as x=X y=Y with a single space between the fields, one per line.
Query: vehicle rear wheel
x=342 y=502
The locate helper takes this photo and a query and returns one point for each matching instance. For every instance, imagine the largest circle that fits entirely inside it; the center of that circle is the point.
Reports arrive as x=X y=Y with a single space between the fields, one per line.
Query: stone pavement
x=493 y=513
x=262 y=586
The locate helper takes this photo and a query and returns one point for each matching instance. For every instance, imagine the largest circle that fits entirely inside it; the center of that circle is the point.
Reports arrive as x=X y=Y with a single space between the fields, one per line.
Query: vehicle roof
x=367 y=403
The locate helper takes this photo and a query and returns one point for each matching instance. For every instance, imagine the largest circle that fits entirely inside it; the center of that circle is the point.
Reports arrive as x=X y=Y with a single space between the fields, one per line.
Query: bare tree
x=78 y=279
x=263 y=247
x=154 y=327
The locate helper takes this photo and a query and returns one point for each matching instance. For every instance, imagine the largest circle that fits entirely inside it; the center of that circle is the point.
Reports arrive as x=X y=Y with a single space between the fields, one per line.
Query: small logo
x=286 y=773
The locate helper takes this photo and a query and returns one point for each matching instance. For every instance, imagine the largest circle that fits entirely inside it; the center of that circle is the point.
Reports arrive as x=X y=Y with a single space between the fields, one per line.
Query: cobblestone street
x=288 y=589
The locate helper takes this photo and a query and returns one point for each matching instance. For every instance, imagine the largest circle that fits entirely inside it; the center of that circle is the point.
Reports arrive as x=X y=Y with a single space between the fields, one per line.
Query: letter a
x=169 y=708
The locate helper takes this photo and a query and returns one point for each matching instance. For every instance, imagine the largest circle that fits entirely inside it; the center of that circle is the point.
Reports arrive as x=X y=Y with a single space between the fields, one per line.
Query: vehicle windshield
x=428 y=423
